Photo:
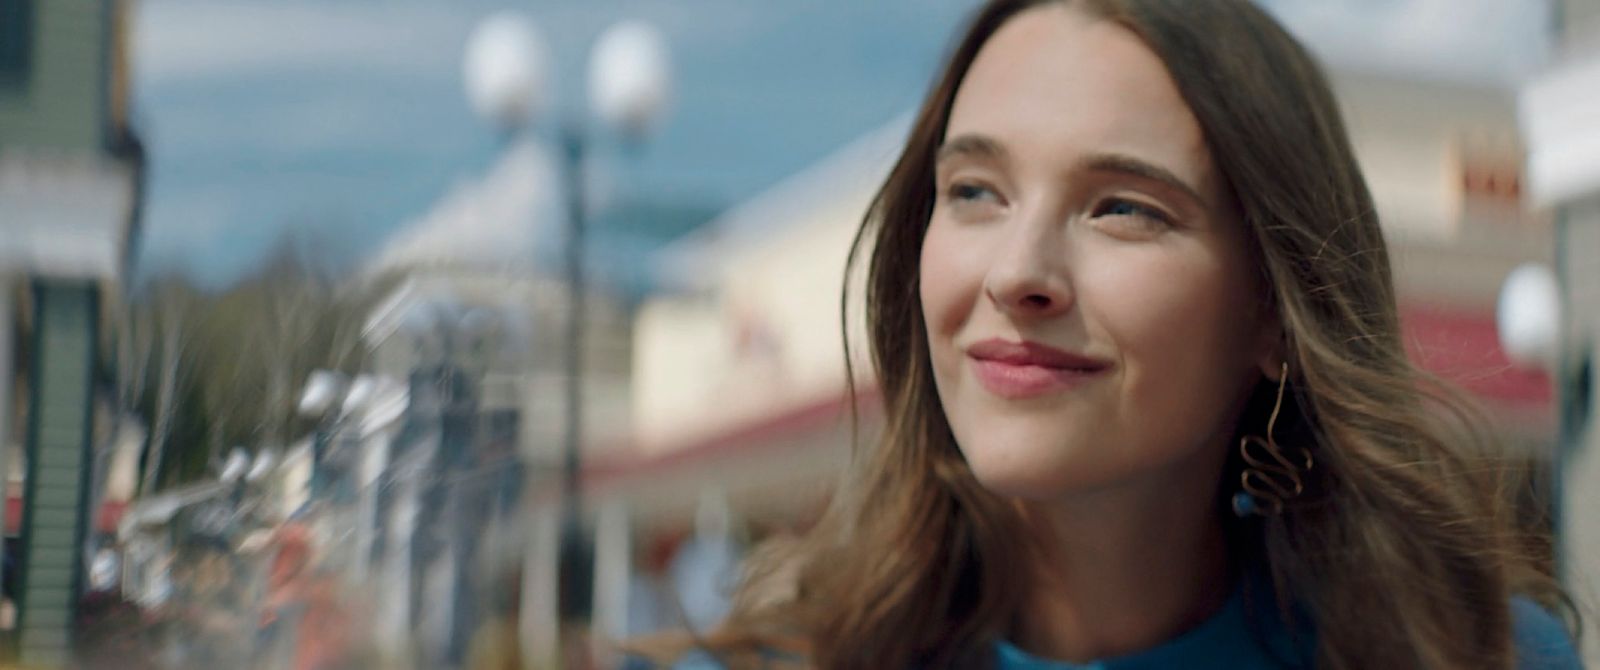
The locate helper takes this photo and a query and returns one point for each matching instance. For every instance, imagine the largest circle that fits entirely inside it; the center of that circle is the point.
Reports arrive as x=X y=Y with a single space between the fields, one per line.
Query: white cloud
x=1494 y=41
x=227 y=38
x=496 y=220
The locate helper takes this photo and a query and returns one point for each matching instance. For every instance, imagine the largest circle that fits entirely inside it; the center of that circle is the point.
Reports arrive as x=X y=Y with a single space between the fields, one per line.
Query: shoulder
x=692 y=660
x=1541 y=639
x=700 y=659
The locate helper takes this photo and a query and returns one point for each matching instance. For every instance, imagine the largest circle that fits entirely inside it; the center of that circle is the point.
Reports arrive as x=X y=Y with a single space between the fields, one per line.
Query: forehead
x=1055 y=83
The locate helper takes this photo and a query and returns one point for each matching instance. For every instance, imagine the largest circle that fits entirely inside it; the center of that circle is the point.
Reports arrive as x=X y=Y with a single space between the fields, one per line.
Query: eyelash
x=966 y=192
x=1140 y=211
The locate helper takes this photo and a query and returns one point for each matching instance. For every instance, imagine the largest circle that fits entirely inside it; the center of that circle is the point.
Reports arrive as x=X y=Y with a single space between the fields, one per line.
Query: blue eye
x=966 y=191
x=1128 y=208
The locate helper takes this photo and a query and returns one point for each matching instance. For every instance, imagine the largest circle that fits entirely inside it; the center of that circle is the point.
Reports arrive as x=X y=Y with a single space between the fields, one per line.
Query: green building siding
x=54 y=101
x=54 y=515
x=61 y=103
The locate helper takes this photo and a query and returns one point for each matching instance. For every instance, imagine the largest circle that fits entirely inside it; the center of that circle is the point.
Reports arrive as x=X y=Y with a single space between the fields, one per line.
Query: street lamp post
x=628 y=87
x=573 y=596
x=320 y=400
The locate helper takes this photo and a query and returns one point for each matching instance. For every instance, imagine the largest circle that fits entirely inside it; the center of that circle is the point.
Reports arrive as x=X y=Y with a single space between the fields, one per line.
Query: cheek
x=949 y=281
x=1162 y=299
x=1182 y=324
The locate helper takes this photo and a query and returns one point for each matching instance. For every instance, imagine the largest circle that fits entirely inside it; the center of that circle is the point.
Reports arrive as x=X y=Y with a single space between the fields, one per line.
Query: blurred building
x=1444 y=164
x=472 y=311
x=1578 y=25
x=740 y=381
x=481 y=250
x=71 y=173
x=1560 y=113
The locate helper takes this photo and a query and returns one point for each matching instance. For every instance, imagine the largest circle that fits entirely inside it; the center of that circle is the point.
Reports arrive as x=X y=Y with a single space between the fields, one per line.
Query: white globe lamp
x=504 y=70
x=262 y=466
x=235 y=467
x=1529 y=317
x=321 y=389
x=629 y=77
x=359 y=394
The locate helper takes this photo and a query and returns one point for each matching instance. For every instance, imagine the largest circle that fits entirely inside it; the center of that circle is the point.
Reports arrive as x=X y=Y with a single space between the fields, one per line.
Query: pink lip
x=1028 y=369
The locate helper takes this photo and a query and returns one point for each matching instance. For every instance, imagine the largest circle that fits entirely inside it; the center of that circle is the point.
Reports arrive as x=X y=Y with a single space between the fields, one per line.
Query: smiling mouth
x=1023 y=381
x=1026 y=369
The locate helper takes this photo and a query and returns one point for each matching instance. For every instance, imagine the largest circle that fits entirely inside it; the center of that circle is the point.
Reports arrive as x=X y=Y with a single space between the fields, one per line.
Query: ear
x=1270 y=347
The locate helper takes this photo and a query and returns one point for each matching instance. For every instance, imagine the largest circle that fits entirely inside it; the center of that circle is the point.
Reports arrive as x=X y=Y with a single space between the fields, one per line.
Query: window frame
x=18 y=18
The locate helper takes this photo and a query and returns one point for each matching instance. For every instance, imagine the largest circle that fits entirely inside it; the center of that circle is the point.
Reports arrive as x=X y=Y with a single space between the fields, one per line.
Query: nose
x=1028 y=275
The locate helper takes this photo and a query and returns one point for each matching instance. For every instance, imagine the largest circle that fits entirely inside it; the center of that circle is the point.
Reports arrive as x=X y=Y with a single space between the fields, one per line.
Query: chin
x=1016 y=475
x=1023 y=488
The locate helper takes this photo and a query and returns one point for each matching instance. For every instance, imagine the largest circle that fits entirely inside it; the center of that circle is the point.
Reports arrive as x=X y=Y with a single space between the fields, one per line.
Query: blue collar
x=1247 y=633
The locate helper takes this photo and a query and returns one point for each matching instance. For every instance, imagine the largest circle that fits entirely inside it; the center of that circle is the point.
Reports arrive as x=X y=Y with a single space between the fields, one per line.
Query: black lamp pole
x=576 y=568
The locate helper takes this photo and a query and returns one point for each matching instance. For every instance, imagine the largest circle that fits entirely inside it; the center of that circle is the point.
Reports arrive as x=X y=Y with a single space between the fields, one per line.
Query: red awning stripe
x=1464 y=348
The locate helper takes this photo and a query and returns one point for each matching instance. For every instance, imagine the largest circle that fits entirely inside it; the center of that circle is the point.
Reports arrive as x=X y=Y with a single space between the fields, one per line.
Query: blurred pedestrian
x=495 y=644
x=1147 y=403
x=282 y=600
x=326 y=638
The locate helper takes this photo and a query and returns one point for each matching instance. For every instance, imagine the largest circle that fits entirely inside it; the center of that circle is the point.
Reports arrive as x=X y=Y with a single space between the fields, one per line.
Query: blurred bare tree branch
x=228 y=366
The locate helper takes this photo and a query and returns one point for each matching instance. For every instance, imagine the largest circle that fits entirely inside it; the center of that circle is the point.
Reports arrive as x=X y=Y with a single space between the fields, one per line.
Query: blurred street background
x=488 y=334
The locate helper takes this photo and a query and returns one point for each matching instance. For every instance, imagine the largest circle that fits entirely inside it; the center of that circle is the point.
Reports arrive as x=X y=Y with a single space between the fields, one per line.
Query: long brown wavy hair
x=1402 y=553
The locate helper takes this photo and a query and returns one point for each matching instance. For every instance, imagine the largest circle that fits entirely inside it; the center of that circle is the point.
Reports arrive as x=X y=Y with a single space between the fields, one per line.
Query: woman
x=1147 y=402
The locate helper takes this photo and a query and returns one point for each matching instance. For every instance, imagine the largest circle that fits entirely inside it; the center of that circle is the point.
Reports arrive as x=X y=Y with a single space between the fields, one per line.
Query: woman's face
x=1091 y=309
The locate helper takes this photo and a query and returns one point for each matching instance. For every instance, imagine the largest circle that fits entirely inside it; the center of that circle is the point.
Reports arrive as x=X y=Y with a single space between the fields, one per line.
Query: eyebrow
x=983 y=146
x=977 y=146
x=1128 y=165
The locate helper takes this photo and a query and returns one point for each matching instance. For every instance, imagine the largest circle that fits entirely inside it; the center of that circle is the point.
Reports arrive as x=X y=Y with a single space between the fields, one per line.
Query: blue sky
x=348 y=116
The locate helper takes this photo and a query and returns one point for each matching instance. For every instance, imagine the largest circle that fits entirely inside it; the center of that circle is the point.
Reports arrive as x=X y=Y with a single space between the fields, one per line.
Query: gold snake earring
x=1270 y=477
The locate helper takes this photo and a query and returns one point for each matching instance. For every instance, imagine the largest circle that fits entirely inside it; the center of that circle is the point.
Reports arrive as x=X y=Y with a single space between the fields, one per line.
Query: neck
x=1124 y=570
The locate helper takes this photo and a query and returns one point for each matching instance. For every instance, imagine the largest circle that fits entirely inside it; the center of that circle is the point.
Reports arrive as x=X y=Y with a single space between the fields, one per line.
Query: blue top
x=1238 y=639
